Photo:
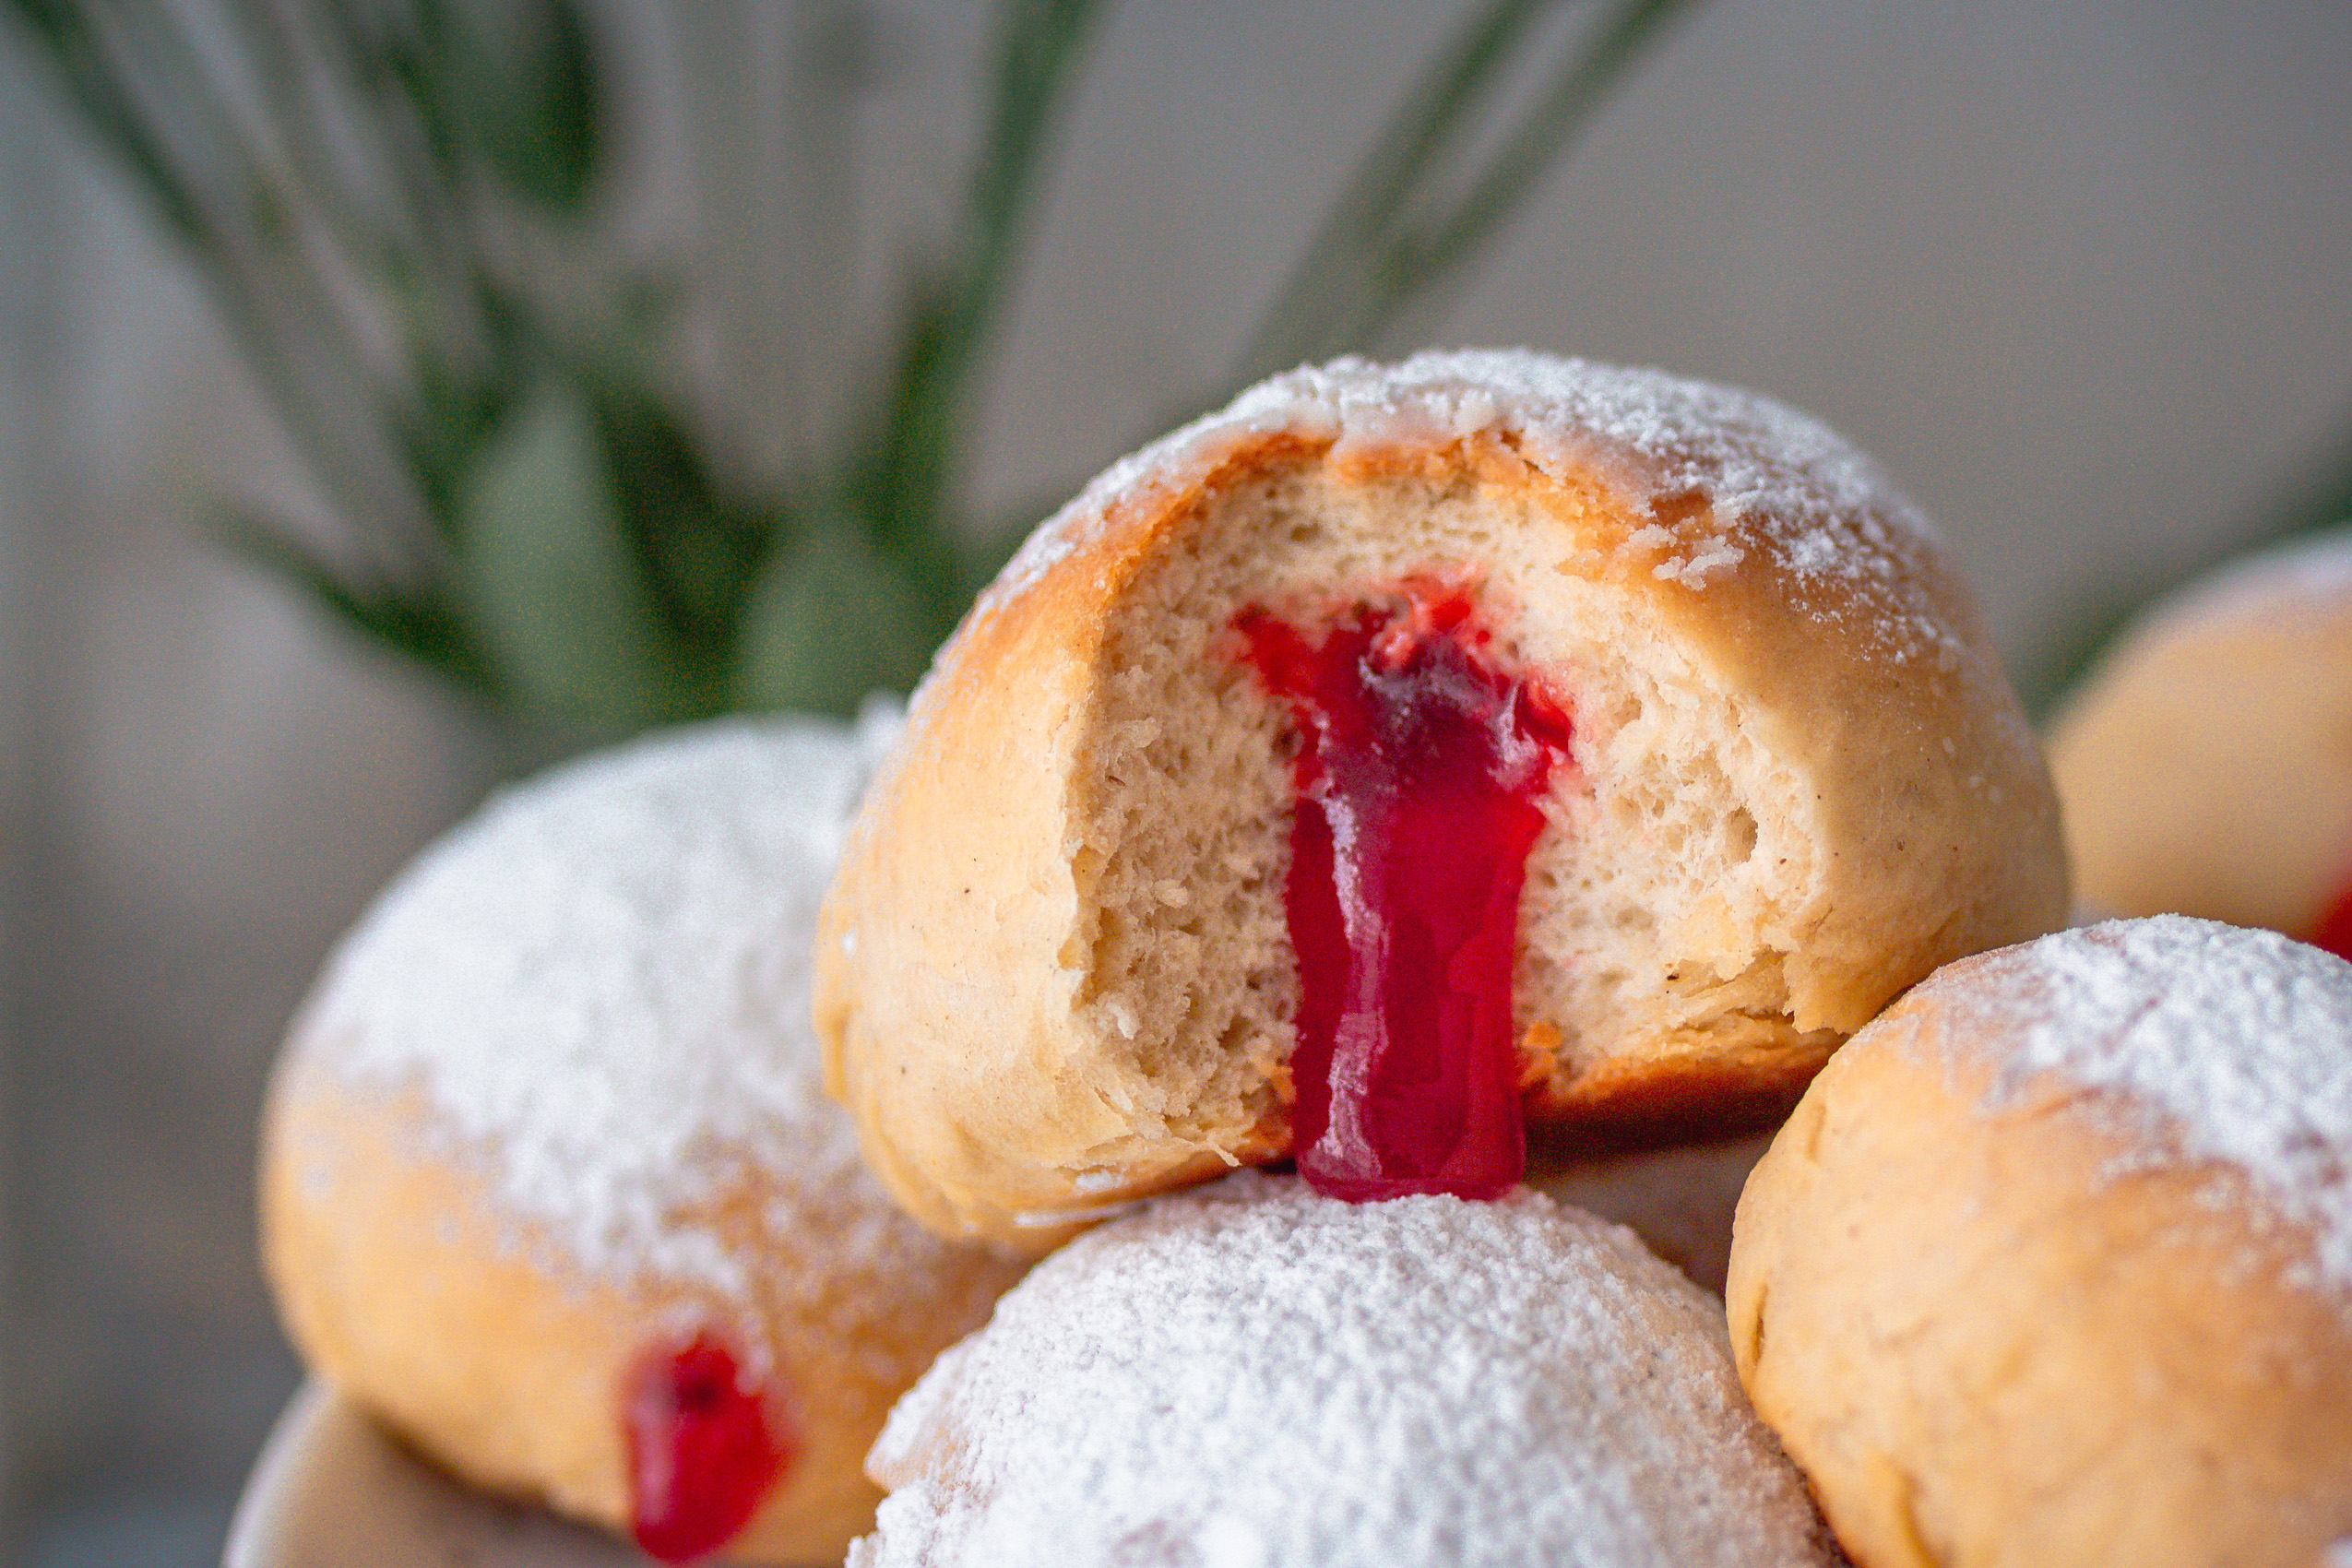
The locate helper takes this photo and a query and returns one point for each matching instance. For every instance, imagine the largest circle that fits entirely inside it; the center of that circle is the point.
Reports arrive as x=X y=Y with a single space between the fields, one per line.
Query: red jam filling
x=1419 y=765
x=2335 y=930
x=705 y=1447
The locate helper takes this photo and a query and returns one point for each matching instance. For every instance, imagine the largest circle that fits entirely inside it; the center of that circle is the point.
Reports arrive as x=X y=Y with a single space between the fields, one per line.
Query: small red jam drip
x=1419 y=768
x=704 y=1448
x=2335 y=930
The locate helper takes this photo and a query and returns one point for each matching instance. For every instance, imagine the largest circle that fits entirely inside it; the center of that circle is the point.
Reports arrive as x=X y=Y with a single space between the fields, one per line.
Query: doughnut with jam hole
x=1407 y=759
x=549 y=1182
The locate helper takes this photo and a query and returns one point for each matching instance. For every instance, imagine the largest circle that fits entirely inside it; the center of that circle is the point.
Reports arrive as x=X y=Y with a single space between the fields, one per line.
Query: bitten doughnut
x=2052 y=1266
x=1404 y=752
x=548 y=1180
x=2205 y=766
x=1254 y=1374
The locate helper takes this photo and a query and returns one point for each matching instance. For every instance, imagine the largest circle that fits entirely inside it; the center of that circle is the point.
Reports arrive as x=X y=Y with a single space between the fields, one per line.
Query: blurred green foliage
x=531 y=516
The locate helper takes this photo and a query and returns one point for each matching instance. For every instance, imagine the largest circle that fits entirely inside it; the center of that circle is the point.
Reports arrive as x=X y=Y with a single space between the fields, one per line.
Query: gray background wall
x=2081 y=276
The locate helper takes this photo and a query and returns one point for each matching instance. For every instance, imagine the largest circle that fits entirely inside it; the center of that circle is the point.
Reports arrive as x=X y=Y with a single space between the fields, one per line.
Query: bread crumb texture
x=1058 y=951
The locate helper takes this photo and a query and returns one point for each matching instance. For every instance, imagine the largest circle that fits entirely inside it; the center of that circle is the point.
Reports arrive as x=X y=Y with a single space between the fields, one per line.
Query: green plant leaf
x=1432 y=117
x=111 y=114
x=546 y=571
x=454 y=413
x=910 y=469
x=1395 y=234
x=696 y=547
x=519 y=84
x=1435 y=246
x=418 y=623
x=828 y=622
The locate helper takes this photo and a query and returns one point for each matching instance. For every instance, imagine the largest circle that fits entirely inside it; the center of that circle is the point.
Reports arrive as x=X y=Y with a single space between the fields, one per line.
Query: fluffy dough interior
x=1678 y=868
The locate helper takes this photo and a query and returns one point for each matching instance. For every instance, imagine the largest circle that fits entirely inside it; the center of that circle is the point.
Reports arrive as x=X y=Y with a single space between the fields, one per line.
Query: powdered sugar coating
x=2201 y=1041
x=1253 y=1376
x=1775 y=479
x=600 y=984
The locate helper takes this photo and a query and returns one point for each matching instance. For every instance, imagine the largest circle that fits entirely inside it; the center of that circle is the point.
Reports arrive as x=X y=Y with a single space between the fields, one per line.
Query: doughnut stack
x=1483 y=792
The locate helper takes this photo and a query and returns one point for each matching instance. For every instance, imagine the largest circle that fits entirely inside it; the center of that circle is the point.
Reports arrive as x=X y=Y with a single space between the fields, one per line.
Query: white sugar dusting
x=1769 y=477
x=2224 y=1044
x=1252 y=1374
x=601 y=984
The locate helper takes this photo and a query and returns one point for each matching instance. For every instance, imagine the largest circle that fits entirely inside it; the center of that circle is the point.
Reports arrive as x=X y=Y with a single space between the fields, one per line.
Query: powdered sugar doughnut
x=1646 y=717
x=549 y=1180
x=2206 y=765
x=2053 y=1264
x=1254 y=1374
x=1679 y=1201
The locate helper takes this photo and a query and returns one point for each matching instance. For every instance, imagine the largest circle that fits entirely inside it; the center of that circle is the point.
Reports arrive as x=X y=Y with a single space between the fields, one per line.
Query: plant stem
x=262 y=224
x=1431 y=116
x=1372 y=258
x=414 y=169
x=289 y=80
x=89 y=71
x=1416 y=260
x=904 y=489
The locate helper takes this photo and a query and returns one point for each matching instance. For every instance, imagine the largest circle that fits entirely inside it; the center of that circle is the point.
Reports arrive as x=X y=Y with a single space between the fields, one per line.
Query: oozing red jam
x=2335 y=930
x=705 y=1447
x=1420 y=764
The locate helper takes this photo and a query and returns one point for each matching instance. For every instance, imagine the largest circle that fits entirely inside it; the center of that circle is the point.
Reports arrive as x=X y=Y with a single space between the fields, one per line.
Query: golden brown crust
x=952 y=967
x=1653 y=1104
x=401 y=1281
x=553 y=1114
x=2013 y=1338
x=2205 y=766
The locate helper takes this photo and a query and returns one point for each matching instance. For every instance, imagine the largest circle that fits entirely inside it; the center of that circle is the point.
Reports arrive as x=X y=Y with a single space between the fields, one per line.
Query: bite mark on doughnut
x=1420 y=762
x=707 y=1444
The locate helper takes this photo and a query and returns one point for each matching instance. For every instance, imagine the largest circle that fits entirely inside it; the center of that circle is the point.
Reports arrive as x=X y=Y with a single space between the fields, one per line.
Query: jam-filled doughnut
x=1255 y=1375
x=2205 y=766
x=2052 y=1265
x=549 y=1182
x=1404 y=752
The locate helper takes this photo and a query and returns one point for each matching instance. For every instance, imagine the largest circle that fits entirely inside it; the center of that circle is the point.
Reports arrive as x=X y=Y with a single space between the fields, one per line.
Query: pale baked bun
x=2052 y=1266
x=2206 y=764
x=554 y=1115
x=1057 y=971
x=1254 y=1374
